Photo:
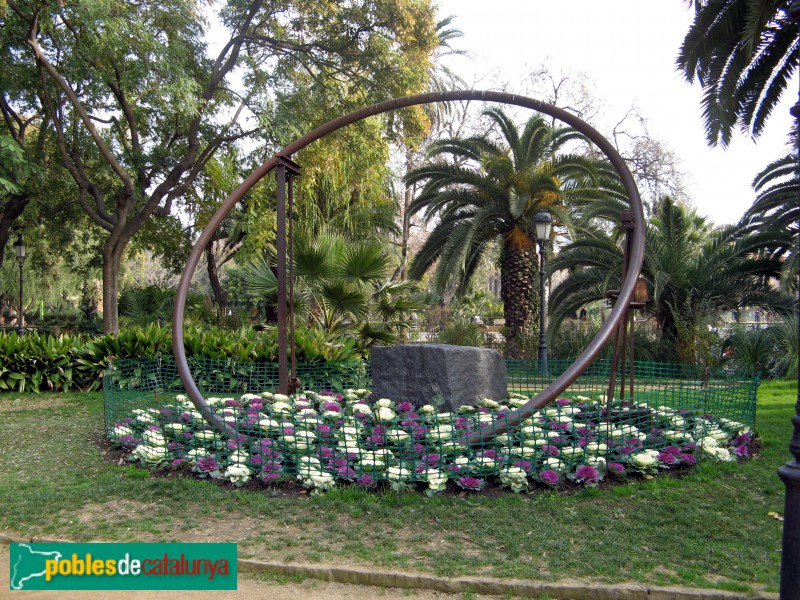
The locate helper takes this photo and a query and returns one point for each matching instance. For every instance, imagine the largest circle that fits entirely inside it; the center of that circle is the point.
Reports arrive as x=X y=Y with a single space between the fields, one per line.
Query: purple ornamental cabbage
x=207 y=464
x=587 y=474
x=549 y=477
x=472 y=484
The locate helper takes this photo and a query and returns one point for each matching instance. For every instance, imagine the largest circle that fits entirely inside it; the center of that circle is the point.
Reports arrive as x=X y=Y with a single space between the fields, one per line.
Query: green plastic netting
x=333 y=432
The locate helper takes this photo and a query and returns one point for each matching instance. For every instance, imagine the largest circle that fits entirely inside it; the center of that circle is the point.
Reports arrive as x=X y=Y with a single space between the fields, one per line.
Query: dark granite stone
x=418 y=372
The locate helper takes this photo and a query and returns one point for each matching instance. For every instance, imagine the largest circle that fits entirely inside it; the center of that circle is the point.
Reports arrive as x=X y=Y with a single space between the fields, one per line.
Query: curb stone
x=560 y=590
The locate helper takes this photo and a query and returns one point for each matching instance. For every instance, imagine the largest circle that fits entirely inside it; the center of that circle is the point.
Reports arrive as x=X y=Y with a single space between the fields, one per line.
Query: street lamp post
x=19 y=250
x=543 y=222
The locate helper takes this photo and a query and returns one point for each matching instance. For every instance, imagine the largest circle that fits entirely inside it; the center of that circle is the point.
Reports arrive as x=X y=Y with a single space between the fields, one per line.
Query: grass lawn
x=709 y=529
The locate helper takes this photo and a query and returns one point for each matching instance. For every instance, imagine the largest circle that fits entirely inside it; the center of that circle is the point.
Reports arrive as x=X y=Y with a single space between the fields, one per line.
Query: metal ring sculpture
x=544 y=397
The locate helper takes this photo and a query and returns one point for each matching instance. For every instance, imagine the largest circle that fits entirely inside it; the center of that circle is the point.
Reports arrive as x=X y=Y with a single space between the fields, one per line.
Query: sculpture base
x=450 y=376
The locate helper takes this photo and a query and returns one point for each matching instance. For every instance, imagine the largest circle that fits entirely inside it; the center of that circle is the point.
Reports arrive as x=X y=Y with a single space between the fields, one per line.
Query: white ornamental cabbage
x=441 y=432
x=571 y=451
x=145 y=418
x=175 y=428
x=554 y=464
x=385 y=414
x=269 y=424
x=281 y=408
x=150 y=454
x=371 y=461
x=154 y=438
x=595 y=447
x=193 y=455
x=721 y=454
x=437 y=480
x=362 y=408
x=709 y=442
x=524 y=451
x=398 y=436
x=237 y=473
x=515 y=478
x=398 y=474
x=121 y=431
x=239 y=457
x=676 y=436
x=643 y=460
x=530 y=431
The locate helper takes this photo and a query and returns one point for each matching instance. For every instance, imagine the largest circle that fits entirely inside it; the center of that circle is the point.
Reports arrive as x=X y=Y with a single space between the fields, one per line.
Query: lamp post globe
x=543 y=223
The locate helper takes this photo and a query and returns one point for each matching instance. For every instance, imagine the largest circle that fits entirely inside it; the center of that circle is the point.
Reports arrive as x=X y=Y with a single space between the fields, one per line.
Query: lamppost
x=19 y=250
x=790 y=472
x=543 y=222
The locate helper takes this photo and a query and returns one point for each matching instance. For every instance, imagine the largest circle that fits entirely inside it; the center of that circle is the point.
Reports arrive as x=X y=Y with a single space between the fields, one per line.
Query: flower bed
x=324 y=439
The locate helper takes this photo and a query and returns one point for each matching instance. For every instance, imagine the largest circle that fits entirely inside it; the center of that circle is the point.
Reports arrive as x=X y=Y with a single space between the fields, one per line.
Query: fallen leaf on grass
x=776 y=516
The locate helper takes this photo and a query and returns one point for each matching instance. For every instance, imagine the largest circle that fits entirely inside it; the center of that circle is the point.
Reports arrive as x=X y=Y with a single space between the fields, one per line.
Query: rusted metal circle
x=542 y=398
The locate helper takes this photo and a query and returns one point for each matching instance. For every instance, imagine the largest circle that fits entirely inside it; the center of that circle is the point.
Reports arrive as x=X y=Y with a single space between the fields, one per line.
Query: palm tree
x=743 y=53
x=491 y=191
x=692 y=270
x=340 y=286
x=776 y=209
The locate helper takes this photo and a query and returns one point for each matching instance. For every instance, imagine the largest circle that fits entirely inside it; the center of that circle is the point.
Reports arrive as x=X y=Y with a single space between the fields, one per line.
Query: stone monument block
x=418 y=372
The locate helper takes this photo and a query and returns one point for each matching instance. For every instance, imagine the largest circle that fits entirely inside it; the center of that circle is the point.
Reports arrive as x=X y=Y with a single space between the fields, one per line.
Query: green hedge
x=39 y=361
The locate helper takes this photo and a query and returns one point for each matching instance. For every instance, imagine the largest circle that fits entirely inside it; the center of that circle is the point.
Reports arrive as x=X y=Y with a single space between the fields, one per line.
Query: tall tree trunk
x=517 y=284
x=112 y=257
x=12 y=210
x=407 y=196
x=220 y=295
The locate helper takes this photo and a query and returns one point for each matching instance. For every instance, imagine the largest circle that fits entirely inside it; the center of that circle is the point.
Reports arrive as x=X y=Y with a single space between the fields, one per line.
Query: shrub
x=752 y=352
x=36 y=362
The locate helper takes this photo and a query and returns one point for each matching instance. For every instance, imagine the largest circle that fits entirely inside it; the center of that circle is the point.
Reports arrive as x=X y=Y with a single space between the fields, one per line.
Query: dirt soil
x=249 y=587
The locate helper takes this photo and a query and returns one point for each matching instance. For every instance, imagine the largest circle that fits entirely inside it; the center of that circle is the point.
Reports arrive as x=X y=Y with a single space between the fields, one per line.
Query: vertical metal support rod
x=790 y=472
x=291 y=276
x=280 y=247
x=626 y=223
x=625 y=347
x=542 y=354
x=632 y=324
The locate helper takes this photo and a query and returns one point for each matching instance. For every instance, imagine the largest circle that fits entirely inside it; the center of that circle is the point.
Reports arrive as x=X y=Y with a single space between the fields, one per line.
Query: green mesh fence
x=332 y=431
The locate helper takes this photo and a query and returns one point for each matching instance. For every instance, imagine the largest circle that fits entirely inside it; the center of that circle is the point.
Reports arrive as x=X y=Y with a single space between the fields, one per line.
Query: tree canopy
x=743 y=53
x=137 y=107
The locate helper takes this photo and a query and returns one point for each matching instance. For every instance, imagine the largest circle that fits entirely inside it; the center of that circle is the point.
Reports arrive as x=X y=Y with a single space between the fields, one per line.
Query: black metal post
x=21 y=321
x=790 y=472
x=542 y=355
